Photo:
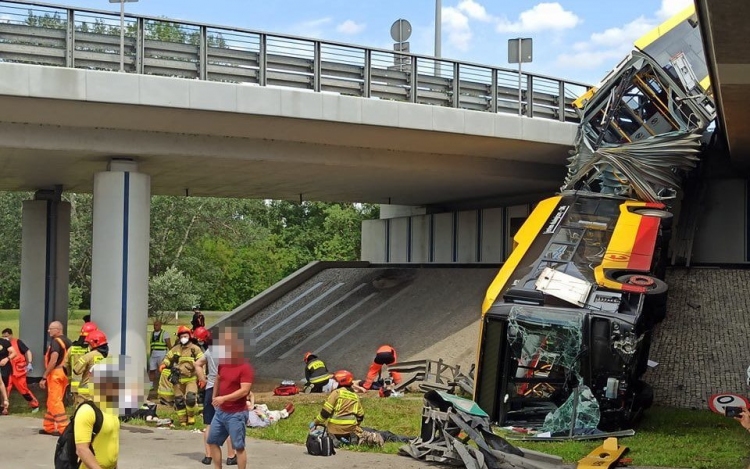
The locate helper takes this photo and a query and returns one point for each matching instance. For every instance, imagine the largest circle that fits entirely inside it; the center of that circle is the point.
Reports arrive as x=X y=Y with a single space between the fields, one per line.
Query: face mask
x=184 y=340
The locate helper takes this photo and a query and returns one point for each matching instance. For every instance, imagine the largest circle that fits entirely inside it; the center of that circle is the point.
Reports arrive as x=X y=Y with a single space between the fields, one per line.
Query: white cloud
x=350 y=27
x=670 y=8
x=311 y=28
x=542 y=17
x=475 y=11
x=456 y=25
x=608 y=46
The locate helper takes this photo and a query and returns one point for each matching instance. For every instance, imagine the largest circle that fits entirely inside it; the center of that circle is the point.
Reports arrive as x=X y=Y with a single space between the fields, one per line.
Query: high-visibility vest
x=74 y=354
x=157 y=341
x=19 y=362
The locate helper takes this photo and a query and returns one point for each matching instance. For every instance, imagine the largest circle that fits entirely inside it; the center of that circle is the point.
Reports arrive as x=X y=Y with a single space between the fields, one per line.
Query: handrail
x=292 y=61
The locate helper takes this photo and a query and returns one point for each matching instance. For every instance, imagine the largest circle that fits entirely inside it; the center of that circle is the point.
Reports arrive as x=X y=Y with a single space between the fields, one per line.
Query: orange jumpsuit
x=385 y=355
x=18 y=378
x=55 y=420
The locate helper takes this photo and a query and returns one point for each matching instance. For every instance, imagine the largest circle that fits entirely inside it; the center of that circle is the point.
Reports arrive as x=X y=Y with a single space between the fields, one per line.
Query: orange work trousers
x=374 y=373
x=55 y=420
x=19 y=383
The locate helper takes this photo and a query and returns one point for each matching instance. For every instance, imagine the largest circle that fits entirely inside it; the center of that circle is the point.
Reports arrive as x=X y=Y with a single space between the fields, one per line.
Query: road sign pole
x=520 y=95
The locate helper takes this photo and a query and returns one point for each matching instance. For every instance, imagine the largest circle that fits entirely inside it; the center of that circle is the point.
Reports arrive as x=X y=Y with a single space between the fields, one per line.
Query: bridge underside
x=60 y=126
x=725 y=32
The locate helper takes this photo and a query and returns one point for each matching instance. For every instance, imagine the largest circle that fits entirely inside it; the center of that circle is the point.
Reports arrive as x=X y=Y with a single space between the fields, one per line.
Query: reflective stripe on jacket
x=157 y=341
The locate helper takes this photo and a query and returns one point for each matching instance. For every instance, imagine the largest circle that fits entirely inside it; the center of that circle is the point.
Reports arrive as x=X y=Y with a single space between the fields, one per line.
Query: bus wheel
x=653 y=212
x=654 y=286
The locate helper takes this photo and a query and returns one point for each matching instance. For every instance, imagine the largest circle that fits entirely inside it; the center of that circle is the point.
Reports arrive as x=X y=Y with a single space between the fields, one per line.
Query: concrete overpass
x=215 y=111
x=725 y=29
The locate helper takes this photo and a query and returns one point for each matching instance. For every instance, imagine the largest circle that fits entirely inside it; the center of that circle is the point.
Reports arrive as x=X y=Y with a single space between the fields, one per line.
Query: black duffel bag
x=319 y=443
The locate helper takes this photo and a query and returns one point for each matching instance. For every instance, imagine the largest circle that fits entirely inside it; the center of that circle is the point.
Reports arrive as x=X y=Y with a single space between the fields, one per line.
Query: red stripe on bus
x=645 y=242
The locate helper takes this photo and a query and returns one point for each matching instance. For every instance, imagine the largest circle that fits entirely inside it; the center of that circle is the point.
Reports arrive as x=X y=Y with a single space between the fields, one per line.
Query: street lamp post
x=122 y=30
x=438 y=27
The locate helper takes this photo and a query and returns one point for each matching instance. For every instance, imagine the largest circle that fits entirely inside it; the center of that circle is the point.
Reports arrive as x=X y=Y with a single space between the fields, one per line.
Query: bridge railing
x=47 y=34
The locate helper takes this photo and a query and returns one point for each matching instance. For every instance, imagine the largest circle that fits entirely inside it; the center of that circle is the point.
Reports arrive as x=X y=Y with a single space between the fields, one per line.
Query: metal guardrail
x=55 y=35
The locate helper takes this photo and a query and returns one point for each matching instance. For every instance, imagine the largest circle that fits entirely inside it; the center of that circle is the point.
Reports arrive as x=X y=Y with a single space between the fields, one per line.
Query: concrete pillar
x=45 y=262
x=119 y=264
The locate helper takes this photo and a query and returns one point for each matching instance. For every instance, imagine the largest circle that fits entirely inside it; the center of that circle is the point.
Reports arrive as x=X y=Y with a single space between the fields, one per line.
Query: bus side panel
x=487 y=390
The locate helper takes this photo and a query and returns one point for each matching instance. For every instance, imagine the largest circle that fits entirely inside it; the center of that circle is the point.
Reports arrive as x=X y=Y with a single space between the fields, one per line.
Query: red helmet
x=184 y=330
x=96 y=339
x=88 y=328
x=308 y=356
x=202 y=334
x=344 y=378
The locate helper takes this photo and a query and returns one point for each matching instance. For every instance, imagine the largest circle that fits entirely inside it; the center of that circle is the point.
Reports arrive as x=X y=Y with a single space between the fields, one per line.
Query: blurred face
x=232 y=344
x=7 y=336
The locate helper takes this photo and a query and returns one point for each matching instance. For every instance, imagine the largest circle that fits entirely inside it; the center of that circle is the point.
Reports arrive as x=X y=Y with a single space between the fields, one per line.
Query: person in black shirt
x=6 y=355
x=198 y=319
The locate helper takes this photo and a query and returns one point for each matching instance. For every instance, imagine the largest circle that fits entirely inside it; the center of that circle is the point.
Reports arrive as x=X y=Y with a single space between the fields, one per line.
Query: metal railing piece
x=55 y=35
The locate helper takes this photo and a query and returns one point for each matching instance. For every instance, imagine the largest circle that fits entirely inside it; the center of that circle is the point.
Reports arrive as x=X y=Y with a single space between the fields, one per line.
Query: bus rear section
x=566 y=325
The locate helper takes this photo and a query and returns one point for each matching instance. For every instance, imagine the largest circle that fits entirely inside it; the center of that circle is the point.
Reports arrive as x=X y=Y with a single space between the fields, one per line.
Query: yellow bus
x=574 y=304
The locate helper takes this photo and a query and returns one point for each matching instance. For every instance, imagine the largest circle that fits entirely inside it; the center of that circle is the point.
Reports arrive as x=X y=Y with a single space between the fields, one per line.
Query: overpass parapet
x=55 y=35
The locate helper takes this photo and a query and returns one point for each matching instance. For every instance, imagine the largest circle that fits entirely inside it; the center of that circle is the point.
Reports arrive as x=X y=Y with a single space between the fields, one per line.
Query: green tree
x=170 y=292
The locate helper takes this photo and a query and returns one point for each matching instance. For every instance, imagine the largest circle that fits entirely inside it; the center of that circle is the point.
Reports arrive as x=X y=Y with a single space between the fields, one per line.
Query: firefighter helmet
x=184 y=330
x=344 y=377
x=202 y=334
x=96 y=339
x=308 y=356
x=88 y=328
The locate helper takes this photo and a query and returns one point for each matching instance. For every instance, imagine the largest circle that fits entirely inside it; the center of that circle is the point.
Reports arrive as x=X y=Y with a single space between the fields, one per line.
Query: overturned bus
x=573 y=305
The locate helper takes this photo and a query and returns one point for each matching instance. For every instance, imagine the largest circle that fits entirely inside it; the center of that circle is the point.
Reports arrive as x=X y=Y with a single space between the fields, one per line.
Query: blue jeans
x=225 y=425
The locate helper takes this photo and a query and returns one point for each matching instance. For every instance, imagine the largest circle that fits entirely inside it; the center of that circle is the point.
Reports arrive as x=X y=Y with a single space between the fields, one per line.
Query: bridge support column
x=120 y=253
x=45 y=262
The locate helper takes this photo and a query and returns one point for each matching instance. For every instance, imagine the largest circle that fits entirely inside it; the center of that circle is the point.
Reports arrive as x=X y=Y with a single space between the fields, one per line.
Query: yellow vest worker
x=97 y=340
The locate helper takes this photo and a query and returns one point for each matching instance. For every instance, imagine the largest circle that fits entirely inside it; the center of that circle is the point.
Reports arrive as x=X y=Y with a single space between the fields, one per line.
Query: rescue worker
x=160 y=343
x=21 y=364
x=342 y=414
x=181 y=359
x=385 y=355
x=55 y=380
x=198 y=319
x=97 y=342
x=78 y=350
x=316 y=373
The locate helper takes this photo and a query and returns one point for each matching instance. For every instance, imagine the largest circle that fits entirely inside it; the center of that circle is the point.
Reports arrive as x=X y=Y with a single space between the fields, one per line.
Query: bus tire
x=658 y=290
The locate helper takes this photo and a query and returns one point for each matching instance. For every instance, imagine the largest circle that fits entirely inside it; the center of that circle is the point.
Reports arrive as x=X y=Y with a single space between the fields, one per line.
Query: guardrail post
x=493 y=91
x=561 y=98
x=316 y=66
x=262 y=59
x=367 y=75
x=530 y=95
x=414 y=81
x=203 y=54
x=456 y=84
x=70 y=39
x=140 y=44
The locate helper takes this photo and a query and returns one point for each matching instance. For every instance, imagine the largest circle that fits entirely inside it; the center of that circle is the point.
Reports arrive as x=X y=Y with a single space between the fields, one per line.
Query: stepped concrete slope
x=343 y=315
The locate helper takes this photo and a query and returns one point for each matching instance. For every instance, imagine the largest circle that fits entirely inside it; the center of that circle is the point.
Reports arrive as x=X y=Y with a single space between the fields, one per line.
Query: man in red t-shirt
x=232 y=385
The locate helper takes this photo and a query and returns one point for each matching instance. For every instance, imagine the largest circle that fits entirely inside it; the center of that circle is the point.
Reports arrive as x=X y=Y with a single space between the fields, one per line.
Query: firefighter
x=385 y=355
x=97 y=342
x=185 y=376
x=21 y=364
x=78 y=350
x=55 y=380
x=342 y=414
x=316 y=373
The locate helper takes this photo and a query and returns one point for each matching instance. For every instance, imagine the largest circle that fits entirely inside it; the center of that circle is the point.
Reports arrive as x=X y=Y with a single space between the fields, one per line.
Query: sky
x=579 y=40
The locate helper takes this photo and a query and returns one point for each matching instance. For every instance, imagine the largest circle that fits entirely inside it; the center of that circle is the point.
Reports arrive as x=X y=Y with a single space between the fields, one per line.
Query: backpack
x=320 y=443
x=65 y=451
x=286 y=388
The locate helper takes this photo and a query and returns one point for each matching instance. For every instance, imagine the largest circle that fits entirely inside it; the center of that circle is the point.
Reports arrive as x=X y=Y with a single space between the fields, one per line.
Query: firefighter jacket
x=342 y=413
x=184 y=357
x=316 y=372
x=83 y=366
x=77 y=350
